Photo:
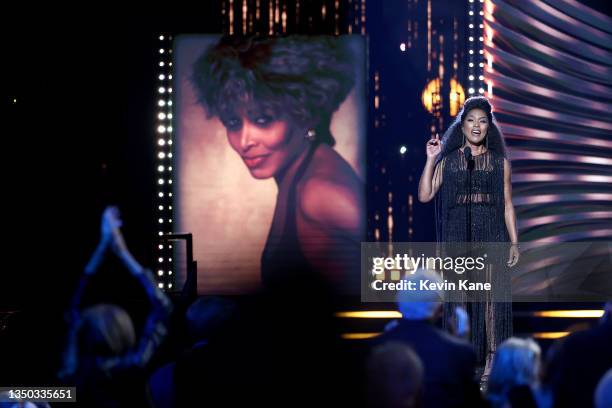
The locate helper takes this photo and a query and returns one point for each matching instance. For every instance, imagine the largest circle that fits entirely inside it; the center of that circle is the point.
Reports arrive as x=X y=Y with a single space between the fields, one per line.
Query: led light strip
x=475 y=48
x=163 y=171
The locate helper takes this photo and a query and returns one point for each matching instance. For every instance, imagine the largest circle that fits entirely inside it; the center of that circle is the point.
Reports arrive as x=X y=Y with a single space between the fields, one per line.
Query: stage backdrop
x=228 y=211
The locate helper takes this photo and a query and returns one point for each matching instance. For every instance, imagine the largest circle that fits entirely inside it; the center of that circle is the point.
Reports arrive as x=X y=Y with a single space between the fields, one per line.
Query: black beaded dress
x=484 y=209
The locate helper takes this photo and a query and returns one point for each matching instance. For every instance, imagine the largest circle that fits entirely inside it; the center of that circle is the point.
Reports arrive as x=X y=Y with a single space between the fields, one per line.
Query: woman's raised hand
x=111 y=228
x=434 y=147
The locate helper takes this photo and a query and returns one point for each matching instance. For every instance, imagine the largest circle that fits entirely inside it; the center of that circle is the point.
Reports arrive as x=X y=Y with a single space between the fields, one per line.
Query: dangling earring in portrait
x=310 y=135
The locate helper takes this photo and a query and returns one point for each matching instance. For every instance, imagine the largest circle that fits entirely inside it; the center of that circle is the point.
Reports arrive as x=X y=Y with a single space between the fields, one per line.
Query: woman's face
x=265 y=143
x=476 y=126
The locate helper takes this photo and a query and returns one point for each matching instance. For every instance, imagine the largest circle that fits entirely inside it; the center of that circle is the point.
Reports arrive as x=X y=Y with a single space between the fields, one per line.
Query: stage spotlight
x=161 y=155
x=160 y=194
x=160 y=285
x=161 y=90
x=162 y=77
x=160 y=259
x=471 y=77
x=161 y=102
x=170 y=155
x=170 y=116
x=403 y=47
x=161 y=116
x=471 y=90
x=161 y=50
x=160 y=168
x=161 y=142
x=161 y=63
x=161 y=220
x=161 y=128
x=160 y=181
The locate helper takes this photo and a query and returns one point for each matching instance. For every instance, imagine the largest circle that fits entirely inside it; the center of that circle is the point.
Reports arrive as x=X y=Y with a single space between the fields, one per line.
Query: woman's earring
x=310 y=135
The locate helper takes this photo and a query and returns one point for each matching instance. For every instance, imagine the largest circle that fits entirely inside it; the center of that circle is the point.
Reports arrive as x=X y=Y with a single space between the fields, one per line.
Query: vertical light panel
x=163 y=168
x=475 y=48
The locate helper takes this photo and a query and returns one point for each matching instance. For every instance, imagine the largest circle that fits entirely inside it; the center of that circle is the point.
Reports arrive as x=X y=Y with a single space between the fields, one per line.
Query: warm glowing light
x=574 y=314
x=370 y=314
x=431 y=95
x=456 y=96
x=359 y=336
x=550 y=335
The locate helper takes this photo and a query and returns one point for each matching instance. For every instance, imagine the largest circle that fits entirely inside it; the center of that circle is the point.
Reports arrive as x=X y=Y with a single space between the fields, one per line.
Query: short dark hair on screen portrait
x=298 y=78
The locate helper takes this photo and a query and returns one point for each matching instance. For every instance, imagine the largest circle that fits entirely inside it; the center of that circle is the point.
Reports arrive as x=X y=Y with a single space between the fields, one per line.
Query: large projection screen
x=228 y=211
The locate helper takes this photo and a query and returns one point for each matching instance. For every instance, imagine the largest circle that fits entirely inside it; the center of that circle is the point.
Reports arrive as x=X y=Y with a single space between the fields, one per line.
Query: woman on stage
x=276 y=98
x=473 y=150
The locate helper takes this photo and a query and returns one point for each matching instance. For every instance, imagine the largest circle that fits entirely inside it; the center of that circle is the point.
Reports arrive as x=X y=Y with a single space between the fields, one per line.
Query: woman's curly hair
x=453 y=137
x=300 y=78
